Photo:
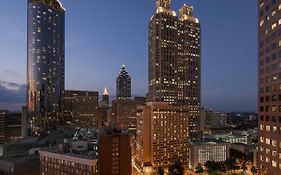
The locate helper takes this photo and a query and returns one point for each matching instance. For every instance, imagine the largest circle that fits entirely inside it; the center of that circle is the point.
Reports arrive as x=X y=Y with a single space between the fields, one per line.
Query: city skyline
x=213 y=93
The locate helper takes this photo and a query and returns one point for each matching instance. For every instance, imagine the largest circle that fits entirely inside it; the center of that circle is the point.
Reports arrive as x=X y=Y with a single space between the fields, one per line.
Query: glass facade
x=123 y=85
x=45 y=63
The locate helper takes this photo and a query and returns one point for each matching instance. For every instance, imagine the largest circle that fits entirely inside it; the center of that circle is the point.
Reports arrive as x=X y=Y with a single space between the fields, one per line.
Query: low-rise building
x=203 y=151
x=73 y=160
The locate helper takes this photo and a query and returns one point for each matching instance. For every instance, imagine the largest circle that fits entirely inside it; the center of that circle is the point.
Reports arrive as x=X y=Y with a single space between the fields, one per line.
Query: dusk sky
x=101 y=35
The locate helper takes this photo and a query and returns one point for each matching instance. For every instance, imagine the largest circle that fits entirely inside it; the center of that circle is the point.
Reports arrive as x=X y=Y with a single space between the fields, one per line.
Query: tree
x=160 y=171
x=199 y=169
x=244 y=167
x=176 y=168
x=254 y=170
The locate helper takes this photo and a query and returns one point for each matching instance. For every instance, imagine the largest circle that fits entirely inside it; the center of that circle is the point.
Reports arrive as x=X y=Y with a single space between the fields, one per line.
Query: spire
x=105 y=92
x=164 y=4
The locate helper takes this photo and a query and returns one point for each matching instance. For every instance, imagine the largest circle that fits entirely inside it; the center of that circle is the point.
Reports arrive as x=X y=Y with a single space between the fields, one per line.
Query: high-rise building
x=269 y=46
x=45 y=63
x=174 y=59
x=81 y=108
x=114 y=153
x=123 y=85
x=162 y=135
x=105 y=99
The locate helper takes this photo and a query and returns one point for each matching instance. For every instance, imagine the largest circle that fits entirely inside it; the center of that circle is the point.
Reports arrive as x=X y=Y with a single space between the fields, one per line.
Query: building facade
x=45 y=63
x=174 y=59
x=53 y=163
x=123 y=85
x=201 y=152
x=269 y=51
x=81 y=108
x=115 y=156
x=162 y=135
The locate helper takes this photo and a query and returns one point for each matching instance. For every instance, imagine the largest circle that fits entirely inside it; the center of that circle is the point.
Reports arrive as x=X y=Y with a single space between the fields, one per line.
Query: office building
x=105 y=99
x=162 y=135
x=269 y=44
x=123 y=85
x=174 y=60
x=45 y=64
x=81 y=108
x=114 y=153
x=124 y=112
x=203 y=151
x=62 y=161
x=10 y=126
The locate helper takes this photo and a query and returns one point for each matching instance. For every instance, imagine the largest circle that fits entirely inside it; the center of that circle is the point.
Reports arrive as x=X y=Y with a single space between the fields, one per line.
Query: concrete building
x=124 y=112
x=19 y=165
x=10 y=126
x=201 y=152
x=115 y=156
x=123 y=85
x=269 y=36
x=45 y=64
x=81 y=108
x=75 y=162
x=162 y=135
x=174 y=60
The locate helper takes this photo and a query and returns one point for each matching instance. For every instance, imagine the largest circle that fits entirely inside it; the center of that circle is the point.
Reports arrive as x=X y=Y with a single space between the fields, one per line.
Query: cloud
x=12 y=95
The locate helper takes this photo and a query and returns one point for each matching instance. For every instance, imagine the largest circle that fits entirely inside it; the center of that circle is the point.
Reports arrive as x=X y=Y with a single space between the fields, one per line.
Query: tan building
x=201 y=152
x=269 y=38
x=81 y=108
x=115 y=156
x=124 y=112
x=57 y=164
x=162 y=135
x=174 y=59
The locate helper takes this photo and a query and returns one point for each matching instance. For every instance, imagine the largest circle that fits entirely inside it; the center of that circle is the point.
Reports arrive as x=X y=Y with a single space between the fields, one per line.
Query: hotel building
x=162 y=135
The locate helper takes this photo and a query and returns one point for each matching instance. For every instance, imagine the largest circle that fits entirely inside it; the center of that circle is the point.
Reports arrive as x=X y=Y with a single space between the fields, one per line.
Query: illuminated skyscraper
x=174 y=59
x=269 y=38
x=123 y=85
x=45 y=63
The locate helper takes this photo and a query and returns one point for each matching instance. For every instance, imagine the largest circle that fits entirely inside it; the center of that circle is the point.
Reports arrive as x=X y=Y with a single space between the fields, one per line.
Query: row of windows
x=272 y=118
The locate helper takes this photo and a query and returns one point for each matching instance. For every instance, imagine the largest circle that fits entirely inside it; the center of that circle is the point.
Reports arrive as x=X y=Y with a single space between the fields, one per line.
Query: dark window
x=261 y=118
x=262 y=99
x=267 y=118
x=274 y=119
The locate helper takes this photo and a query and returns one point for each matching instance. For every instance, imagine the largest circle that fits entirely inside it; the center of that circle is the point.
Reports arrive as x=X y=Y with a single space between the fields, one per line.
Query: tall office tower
x=174 y=60
x=162 y=135
x=123 y=85
x=269 y=38
x=114 y=153
x=81 y=108
x=105 y=99
x=45 y=63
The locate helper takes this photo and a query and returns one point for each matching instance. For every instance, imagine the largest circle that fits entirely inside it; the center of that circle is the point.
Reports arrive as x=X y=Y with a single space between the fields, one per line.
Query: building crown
x=105 y=93
x=164 y=4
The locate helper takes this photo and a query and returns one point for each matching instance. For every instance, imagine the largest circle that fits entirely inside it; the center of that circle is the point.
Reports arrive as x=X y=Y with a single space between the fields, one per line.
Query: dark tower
x=123 y=85
x=45 y=63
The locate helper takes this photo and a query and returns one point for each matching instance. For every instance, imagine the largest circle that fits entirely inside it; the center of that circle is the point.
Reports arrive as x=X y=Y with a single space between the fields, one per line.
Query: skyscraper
x=269 y=38
x=45 y=63
x=123 y=85
x=174 y=59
